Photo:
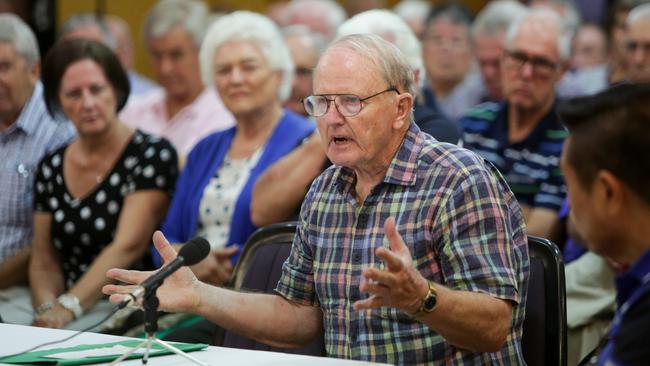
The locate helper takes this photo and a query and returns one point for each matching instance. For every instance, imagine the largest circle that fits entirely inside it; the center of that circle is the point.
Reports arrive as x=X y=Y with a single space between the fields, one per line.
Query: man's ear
x=35 y=72
x=611 y=193
x=404 y=109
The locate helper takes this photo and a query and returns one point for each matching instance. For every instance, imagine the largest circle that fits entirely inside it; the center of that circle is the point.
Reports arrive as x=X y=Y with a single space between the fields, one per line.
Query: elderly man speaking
x=408 y=251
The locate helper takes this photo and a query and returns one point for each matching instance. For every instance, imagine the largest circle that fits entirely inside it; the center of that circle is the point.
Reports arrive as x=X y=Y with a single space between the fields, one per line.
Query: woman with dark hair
x=97 y=199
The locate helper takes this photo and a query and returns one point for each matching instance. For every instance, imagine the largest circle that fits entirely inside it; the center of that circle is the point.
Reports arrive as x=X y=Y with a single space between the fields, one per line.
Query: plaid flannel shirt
x=462 y=225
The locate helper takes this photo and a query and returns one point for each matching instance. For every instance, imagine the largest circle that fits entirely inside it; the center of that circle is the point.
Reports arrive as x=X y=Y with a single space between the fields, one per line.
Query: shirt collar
x=630 y=280
x=547 y=123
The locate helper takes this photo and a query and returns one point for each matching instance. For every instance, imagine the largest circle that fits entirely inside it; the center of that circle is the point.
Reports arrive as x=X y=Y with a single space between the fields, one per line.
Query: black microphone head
x=194 y=251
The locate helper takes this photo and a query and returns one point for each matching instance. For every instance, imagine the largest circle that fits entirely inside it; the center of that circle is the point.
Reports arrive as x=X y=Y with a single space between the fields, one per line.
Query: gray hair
x=317 y=40
x=392 y=65
x=412 y=9
x=497 y=16
x=191 y=15
x=248 y=26
x=89 y=20
x=638 y=13
x=392 y=28
x=15 y=31
x=333 y=13
x=548 y=16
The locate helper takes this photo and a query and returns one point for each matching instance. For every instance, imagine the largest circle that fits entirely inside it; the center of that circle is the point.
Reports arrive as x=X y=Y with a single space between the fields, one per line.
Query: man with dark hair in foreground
x=607 y=172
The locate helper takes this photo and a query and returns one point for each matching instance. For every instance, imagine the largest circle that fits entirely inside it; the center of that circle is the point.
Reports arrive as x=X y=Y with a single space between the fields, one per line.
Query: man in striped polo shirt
x=522 y=136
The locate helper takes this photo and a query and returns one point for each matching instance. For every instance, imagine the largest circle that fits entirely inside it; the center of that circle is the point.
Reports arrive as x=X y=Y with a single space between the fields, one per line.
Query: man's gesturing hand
x=400 y=285
x=178 y=293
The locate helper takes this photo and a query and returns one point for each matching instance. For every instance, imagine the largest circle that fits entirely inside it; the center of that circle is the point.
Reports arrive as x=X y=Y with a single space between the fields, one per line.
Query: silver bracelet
x=44 y=307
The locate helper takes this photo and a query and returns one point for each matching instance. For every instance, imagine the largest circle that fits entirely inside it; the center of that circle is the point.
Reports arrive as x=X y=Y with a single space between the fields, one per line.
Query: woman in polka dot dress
x=98 y=199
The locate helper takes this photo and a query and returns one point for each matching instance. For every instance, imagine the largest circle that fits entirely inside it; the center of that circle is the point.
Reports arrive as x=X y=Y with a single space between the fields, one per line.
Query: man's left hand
x=400 y=285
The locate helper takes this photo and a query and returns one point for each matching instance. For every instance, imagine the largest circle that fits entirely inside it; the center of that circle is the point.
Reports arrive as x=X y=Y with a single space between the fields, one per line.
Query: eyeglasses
x=632 y=46
x=347 y=104
x=541 y=66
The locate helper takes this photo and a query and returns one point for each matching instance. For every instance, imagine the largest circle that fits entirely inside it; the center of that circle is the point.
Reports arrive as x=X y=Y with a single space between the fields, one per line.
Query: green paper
x=41 y=357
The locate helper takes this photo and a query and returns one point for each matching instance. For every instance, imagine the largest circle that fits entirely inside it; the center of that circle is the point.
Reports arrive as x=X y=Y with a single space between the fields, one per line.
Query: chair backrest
x=258 y=269
x=544 y=333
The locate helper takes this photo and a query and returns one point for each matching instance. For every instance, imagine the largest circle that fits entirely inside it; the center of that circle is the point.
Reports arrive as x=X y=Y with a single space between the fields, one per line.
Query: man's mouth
x=340 y=140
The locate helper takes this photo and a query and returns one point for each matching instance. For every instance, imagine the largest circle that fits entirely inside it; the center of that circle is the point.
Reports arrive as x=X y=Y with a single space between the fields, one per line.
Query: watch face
x=429 y=303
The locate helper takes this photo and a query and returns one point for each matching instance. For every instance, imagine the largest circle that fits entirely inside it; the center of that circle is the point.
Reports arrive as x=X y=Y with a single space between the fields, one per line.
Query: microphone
x=190 y=254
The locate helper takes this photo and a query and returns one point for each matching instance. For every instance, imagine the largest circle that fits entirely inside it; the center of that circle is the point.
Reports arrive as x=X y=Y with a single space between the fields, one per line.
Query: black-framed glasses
x=347 y=104
x=541 y=65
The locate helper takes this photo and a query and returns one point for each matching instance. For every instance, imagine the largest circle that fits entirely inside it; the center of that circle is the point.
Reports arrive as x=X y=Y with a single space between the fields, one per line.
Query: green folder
x=43 y=357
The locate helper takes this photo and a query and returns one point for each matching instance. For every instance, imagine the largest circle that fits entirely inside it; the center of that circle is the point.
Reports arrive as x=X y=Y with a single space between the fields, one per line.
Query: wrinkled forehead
x=344 y=68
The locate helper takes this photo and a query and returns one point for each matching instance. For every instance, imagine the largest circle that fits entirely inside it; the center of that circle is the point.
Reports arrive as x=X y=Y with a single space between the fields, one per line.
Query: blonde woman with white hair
x=244 y=56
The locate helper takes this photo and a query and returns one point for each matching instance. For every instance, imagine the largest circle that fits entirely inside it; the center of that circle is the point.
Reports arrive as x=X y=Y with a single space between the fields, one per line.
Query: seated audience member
x=97 y=199
x=280 y=190
x=114 y=33
x=305 y=46
x=414 y=13
x=522 y=136
x=488 y=40
x=453 y=81
x=27 y=133
x=575 y=82
x=245 y=57
x=637 y=43
x=321 y=16
x=606 y=174
x=138 y=83
x=183 y=110
x=616 y=29
x=435 y=285
x=589 y=47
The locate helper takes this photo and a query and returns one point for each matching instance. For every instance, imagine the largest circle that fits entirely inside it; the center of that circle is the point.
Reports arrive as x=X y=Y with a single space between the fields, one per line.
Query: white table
x=16 y=338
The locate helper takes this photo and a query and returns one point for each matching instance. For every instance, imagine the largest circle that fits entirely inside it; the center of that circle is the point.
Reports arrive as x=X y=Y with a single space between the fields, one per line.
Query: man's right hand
x=217 y=268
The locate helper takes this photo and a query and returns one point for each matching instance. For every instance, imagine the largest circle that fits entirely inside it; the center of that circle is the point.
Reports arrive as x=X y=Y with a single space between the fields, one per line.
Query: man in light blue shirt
x=27 y=132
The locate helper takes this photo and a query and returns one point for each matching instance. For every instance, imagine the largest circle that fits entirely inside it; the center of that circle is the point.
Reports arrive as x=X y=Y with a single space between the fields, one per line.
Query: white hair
x=637 y=13
x=333 y=13
x=14 y=30
x=548 y=16
x=391 y=63
x=412 y=9
x=254 y=27
x=191 y=15
x=89 y=20
x=393 y=29
x=497 y=16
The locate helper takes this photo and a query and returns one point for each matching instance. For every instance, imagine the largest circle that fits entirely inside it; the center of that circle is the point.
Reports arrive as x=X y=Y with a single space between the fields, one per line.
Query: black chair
x=544 y=333
x=258 y=269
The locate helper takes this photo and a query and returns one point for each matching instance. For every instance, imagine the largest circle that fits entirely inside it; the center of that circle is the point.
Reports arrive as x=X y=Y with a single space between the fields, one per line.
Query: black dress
x=82 y=227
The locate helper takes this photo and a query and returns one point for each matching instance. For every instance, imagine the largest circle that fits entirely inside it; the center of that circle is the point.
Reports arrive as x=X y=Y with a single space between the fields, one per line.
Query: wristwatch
x=429 y=301
x=71 y=302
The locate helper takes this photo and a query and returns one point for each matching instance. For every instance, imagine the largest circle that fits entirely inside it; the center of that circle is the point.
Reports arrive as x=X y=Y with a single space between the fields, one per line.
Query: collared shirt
x=140 y=84
x=532 y=166
x=628 y=336
x=468 y=93
x=189 y=125
x=461 y=224
x=22 y=146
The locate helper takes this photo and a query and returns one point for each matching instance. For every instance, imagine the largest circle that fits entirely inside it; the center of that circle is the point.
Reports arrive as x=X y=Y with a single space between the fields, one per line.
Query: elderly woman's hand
x=217 y=268
x=179 y=292
x=56 y=317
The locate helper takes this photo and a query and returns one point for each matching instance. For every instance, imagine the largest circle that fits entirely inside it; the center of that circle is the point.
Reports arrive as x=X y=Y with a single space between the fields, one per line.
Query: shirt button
x=356 y=257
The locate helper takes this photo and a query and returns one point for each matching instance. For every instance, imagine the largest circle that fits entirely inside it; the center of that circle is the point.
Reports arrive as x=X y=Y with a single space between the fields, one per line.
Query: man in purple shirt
x=607 y=170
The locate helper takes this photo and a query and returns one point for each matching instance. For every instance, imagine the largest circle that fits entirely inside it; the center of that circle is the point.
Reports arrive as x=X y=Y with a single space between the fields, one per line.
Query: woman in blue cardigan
x=244 y=56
